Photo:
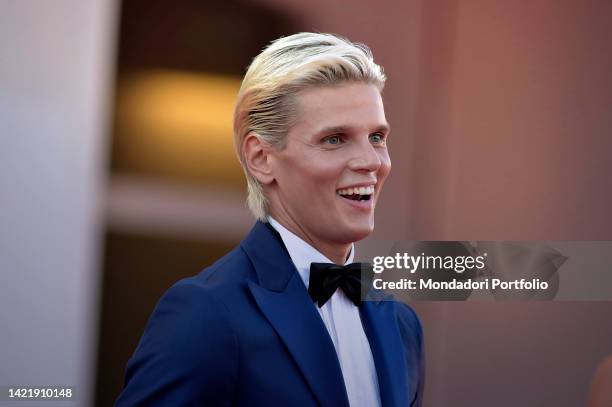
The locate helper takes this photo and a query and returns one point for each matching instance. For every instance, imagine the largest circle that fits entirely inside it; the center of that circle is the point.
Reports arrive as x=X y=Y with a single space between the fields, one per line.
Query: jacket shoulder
x=188 y=351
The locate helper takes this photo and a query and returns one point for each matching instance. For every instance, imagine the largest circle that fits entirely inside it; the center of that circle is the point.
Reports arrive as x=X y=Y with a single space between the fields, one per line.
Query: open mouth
x=357 y=194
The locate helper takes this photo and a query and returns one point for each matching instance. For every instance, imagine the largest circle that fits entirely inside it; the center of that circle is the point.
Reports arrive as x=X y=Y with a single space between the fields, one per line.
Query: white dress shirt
x=343 y=322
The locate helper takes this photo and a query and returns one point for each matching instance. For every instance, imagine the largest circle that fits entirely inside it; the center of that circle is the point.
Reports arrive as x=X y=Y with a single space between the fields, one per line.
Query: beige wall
x=523 y=129
x=522 y=121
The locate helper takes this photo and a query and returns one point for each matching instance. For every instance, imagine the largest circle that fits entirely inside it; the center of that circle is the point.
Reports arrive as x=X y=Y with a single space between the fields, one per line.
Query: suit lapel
x=284 y=300
x=379 y=323
x=297 y=322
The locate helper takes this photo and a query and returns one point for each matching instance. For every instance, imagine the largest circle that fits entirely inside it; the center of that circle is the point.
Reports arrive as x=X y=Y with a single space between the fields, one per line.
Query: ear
x=257 y=158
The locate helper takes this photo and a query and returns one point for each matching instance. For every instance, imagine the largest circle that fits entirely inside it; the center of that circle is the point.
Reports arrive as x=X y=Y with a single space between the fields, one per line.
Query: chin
x=355 y=233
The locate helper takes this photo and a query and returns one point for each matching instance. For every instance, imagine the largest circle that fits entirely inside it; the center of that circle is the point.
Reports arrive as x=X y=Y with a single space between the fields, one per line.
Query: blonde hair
x=266 y=103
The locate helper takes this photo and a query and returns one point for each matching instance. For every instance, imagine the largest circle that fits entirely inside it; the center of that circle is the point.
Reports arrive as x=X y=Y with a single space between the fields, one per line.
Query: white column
x=56 y=62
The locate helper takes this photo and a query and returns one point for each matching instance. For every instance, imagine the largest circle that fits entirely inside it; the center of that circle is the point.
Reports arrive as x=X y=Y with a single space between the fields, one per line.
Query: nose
x=366 y=158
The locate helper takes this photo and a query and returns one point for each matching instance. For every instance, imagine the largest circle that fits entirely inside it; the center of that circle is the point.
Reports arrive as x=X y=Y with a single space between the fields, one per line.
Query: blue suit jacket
x=244 y=332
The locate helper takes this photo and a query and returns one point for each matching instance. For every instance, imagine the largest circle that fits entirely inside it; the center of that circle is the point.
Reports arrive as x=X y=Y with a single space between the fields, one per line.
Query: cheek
x=309 y=177
x=321 y=170
x=307 y=172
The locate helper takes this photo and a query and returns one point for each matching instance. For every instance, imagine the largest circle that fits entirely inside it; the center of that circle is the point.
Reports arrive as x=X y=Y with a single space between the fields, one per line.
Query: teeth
x=369 y=190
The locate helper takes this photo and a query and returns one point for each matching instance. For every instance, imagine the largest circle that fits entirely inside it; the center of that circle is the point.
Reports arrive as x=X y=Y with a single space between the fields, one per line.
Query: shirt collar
x=301 y=253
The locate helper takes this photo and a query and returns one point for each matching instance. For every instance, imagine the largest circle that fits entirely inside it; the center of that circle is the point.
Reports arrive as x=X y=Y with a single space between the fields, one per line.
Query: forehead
x=353 y=105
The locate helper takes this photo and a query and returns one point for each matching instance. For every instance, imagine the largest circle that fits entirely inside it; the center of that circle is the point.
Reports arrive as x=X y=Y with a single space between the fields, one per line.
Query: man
x=254 y=329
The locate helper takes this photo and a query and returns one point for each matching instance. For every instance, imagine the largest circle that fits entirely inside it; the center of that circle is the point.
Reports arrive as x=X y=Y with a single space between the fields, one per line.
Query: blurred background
x=118 y=177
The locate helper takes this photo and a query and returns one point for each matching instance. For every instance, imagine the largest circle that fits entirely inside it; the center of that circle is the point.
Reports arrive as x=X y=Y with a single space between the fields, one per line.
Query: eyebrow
x=346 y=129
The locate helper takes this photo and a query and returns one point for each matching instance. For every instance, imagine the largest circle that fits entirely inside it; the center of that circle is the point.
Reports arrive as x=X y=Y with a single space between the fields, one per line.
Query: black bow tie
x=325 y=278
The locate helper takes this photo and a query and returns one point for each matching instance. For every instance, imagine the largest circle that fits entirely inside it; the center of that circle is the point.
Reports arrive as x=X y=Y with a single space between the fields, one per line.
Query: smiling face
x=328 y=177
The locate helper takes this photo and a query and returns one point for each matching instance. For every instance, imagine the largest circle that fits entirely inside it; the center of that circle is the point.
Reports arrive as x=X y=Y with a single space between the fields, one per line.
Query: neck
x=336 y=252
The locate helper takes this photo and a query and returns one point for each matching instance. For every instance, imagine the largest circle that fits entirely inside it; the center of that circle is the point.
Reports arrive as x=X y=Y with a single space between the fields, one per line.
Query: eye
x=377 y=138
x=333 y=140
